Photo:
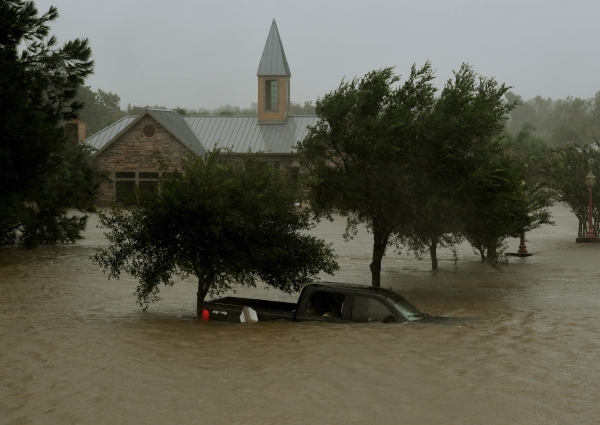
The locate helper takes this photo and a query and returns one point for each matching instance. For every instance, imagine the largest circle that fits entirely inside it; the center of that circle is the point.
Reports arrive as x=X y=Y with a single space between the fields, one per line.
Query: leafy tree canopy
x=413 y=167
x=221 y=221
x=567 y=168
x=460 y=154
x=41 y=172
x=362 y=156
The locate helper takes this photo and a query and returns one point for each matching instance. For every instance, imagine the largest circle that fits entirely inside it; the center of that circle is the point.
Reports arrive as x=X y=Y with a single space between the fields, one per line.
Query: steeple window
x=271 y=95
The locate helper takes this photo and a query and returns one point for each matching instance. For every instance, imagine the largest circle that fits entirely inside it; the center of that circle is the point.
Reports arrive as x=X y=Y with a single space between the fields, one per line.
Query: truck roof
x=356 y=288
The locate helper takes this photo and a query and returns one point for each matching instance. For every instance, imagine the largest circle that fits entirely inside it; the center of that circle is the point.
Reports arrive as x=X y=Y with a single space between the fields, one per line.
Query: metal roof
x=173 y=122
x=273 y=61
x=106 y=135
x=243 y=133
x=203 y=132
x=169 y=119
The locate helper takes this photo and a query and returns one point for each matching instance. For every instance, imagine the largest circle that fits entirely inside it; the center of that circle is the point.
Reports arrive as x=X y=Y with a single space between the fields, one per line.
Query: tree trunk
x=380 y=240
x=203 y=287
x=492 y=251
x=433 y=253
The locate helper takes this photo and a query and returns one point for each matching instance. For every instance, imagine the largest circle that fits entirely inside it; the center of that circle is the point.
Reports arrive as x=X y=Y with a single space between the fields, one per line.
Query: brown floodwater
x=75 y=348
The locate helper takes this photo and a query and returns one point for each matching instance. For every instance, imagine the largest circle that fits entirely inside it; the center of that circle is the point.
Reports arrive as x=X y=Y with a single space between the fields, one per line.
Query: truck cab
x=335 y=302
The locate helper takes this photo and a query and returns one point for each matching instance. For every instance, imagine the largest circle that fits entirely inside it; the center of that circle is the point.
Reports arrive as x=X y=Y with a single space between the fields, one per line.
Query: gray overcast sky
x=205 y=53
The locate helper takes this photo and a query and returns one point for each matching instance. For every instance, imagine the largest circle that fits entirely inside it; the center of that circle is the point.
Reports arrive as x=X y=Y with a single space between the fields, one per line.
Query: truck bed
x=230 y=308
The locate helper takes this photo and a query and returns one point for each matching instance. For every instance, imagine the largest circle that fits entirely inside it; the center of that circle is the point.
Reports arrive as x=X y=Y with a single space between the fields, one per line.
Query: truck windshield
x=408 y=310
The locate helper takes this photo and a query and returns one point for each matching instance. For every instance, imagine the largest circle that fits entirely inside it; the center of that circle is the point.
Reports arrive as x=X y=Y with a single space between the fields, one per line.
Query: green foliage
x=137 y=110
x=567 y=168
x=574 y=120
x=360 y=155
x=534 y=112
x=459 y=144
x=419 y=171
x=569 y=120
x=100 y=108
x=222 y=221
x=501 y=205
x=41 y=172
x=307 y=109
x=527 y=147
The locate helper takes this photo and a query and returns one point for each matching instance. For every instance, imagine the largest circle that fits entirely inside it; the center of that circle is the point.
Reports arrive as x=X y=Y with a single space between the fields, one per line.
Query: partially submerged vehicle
x=320 y=302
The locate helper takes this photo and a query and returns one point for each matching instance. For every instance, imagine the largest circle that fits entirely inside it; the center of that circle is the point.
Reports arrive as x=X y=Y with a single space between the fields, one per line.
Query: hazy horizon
x=205 y=54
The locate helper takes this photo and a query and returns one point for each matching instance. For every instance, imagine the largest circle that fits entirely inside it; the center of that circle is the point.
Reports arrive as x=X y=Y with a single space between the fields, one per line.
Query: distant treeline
x=557 y=122
x=103 y=108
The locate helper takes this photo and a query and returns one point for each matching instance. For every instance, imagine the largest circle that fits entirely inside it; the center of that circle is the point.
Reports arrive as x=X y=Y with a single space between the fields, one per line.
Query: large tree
x=221 y=221
x=41 y=172
x=416 y=169
x=459 y=145
x=363 y=156
x=567 y=168
x=502 y=204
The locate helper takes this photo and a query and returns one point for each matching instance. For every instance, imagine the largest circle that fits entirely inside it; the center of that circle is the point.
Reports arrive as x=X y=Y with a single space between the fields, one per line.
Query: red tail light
x=205 y=314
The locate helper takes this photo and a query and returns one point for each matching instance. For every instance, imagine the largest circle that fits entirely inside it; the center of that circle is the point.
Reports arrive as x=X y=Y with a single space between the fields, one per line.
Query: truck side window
x=365 y=309
x=328 y=304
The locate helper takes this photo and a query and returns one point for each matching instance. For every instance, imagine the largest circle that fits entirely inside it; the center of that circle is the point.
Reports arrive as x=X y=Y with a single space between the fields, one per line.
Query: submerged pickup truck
x=329 y=302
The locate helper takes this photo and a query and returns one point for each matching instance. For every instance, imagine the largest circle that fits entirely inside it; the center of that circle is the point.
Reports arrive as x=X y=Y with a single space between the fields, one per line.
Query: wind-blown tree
x=221 y=221
x=42 y=174
x=501 y=204
x=406 y=164
x=459 y=142
x=567 y=168
x=361 y=155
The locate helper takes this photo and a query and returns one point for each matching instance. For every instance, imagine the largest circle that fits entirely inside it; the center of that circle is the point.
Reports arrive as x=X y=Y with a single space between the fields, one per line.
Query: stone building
x=129 y=149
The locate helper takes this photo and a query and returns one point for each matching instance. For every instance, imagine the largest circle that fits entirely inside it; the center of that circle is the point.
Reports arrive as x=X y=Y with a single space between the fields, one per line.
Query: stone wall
x=134 y=151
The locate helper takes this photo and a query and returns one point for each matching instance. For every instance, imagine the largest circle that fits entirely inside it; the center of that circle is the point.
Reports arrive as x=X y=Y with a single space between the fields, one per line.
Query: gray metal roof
x=106 y=135
x=173 y=122
x=202 y=133
x=169 y=119
x=273 y=61
x=243 y=133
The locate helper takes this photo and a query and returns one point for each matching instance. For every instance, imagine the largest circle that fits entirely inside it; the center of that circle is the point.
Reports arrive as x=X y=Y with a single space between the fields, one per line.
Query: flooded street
x=75 y=348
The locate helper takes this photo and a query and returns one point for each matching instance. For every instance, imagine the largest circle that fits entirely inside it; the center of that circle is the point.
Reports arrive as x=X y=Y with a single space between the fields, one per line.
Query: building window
x=271 y=95
x=148 y=180
x=124 y=186
x=126 y=181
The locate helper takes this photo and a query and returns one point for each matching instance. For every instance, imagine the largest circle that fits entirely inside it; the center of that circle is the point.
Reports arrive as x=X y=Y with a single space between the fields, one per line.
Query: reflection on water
x=74 y=347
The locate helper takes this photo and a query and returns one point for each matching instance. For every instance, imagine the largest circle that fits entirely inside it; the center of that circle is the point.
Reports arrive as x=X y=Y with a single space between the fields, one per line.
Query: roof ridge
x=177 y=131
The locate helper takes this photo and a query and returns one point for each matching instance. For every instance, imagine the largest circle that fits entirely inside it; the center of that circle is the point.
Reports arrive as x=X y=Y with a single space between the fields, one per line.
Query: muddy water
x=74 y=348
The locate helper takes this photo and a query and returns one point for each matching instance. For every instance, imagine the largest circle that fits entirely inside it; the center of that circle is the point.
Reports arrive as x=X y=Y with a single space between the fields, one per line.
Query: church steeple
x=273 y=80
x=273 y=61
